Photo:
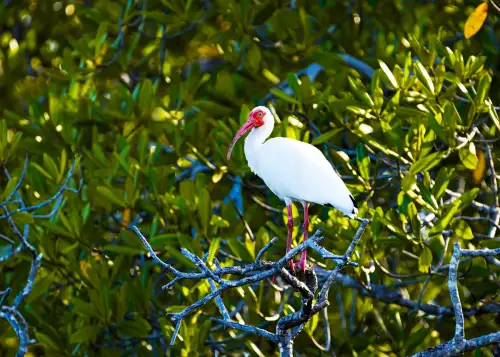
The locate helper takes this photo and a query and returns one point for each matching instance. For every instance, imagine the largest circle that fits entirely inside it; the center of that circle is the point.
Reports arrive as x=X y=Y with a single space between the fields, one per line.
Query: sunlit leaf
x=468 y=156
x=388 y=74
x=476 y=20
x=463 y=230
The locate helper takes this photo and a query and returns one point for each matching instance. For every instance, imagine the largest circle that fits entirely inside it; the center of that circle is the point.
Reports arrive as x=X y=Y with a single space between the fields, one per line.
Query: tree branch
x=10 y=313
x=458 y=344
x=289 y=326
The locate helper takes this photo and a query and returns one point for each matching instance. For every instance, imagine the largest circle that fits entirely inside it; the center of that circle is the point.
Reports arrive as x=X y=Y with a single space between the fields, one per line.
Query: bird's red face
x=255 y=120
x=257 y=116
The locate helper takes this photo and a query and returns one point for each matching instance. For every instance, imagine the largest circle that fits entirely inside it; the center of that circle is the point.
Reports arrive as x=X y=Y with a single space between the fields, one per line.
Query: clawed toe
x=300 y=265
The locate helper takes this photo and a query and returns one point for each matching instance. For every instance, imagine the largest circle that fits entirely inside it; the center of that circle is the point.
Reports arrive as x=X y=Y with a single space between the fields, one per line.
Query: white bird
x=293 y=170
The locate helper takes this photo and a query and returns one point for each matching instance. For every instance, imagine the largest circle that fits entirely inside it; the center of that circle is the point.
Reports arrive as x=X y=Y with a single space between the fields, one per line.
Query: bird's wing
x=300 y=171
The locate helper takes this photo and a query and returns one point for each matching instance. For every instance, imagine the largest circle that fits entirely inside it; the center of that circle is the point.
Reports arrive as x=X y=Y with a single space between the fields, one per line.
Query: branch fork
x=289 y=326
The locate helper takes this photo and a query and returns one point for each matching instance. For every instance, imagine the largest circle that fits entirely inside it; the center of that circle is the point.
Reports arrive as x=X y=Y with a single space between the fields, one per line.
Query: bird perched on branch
x=293 y=170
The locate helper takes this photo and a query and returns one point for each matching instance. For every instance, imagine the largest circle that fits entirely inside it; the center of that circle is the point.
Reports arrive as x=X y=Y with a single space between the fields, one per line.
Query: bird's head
x=257 y=118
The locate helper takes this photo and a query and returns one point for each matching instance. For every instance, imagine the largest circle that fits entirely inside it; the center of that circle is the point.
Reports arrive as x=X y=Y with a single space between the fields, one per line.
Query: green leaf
x=360 y=93
x=426 y=163
x=46 y=341
x=282 y=95
x=363 y=161
x=225 y=85
x=160 y=17
x=388 y=75
x=467 y=198
x=425 y=260
x=326 y=136
x=459 y=63
x=108 y=194
x=493 y=114
x=146 y=98
x=83 y=308
x=139 y=327
x=42 y=170
x=423 y=164
x=204 y=209
x=477 y=64
x=244 y=113
x=160 y=240
x=3 y=136
x=254 y=56
x=451 y=117
x=174 y=253
x=445 y=219
x=9 y=188
x=219 y=222
x=56 y=74
x=50 y=165
x=62 y=164
x=85 y=334
x=306 y=23
x=468 y=156
x=122 y=249
x=434 y=125
x=439 y=73
x=463 y=230
x=22 y=218
x=415 y=221
x=99 y=154
x=423 y=76
x=16 y=140
x=293 y=81
x=214 y=246
x=100 y=37
x=239 y=249
x=441 y=183
x=482 y=89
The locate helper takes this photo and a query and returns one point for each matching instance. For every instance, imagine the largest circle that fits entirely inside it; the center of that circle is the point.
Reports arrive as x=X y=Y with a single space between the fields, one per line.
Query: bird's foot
x=300 y=265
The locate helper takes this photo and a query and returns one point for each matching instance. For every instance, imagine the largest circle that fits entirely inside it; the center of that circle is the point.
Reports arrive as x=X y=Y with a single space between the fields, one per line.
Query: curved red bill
x=250 y=123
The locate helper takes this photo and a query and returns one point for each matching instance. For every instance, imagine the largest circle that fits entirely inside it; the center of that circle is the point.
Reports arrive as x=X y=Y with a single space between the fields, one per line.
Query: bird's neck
x=254 y=140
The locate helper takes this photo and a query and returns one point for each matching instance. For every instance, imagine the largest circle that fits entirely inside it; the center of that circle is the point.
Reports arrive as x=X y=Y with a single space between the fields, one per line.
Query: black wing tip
x=353 y=202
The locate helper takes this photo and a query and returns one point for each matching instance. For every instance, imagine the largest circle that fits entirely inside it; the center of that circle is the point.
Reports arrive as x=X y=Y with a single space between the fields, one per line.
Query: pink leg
x=302 y=262
x=290 y=230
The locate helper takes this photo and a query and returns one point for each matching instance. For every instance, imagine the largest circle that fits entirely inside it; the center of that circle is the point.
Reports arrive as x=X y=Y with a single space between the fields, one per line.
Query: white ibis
x=293 y=170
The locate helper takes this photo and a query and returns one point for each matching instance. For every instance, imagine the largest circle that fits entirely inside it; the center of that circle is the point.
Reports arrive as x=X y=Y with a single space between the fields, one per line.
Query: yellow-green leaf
x=425 y=260
x=445 y=218
x=476 y=20
x=478 y=172
x=22 y=218
x=424 y=76
x=214 y=246
x=388 y=74
x=463 y=230
x=468 y=156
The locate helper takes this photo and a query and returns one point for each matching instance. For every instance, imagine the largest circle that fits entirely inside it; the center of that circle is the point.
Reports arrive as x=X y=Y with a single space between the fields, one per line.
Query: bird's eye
x=259 y=114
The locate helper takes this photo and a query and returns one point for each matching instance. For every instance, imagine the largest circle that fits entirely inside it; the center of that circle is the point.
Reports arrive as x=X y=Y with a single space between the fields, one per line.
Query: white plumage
x=299 y=171
x=293 y=170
